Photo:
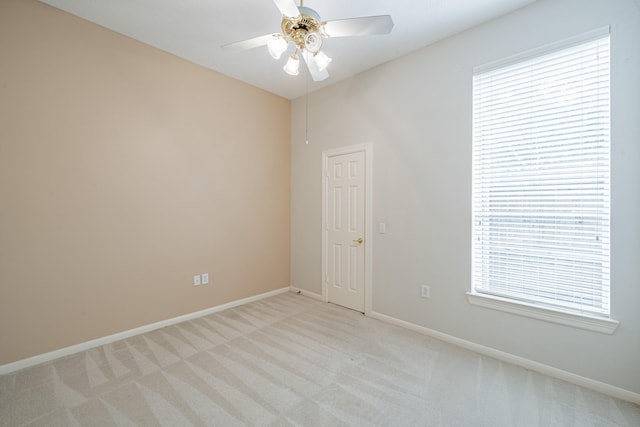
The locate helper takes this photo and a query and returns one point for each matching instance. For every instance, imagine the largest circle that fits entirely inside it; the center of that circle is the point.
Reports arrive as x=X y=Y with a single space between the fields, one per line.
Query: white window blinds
x=541 y=186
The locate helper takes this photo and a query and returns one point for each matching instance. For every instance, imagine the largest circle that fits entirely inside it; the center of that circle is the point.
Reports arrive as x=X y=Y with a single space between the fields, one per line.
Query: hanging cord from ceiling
x=306 y=108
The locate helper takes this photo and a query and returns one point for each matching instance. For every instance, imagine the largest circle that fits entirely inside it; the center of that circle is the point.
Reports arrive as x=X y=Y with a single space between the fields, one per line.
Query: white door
x=345 y=230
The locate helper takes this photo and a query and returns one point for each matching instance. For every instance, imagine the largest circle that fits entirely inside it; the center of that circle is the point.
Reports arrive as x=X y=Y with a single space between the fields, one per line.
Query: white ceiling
x=195 y=29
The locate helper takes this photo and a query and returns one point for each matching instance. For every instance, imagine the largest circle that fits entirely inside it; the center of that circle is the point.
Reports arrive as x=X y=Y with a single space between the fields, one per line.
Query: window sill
x=597 y=324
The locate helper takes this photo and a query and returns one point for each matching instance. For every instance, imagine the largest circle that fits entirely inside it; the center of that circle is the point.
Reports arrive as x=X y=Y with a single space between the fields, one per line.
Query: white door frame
x=367 y=149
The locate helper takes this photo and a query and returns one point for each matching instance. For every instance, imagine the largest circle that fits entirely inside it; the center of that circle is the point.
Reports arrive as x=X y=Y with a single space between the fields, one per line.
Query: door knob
x=359 y=240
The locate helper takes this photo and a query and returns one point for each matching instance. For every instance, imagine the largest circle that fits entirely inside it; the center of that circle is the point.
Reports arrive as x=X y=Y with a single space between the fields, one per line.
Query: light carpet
x=292 y=361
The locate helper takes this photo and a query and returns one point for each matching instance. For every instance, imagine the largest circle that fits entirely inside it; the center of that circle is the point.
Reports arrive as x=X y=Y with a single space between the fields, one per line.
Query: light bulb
x=276 y=46
x=322 y=60
x=291 y=66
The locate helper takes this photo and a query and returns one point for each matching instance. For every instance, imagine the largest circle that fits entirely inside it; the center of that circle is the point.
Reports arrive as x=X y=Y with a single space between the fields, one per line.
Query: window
x=541 y=187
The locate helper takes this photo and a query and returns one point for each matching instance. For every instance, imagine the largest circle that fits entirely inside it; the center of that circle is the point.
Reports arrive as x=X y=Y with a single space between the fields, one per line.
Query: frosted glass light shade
x=322 y=60
x=313 y=42
x=292 y=64
x=276 y=47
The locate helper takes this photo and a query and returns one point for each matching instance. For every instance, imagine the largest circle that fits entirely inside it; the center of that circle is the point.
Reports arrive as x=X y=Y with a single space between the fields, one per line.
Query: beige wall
x=417 y=113
x=124 y=171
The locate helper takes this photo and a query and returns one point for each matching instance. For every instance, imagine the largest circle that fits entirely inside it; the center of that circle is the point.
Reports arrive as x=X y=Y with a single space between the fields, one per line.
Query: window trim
x=543 y=50
x=581 y=321
x=587 y=321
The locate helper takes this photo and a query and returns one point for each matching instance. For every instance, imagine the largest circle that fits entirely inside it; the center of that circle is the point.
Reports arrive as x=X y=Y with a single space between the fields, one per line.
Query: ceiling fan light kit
x=302 y=27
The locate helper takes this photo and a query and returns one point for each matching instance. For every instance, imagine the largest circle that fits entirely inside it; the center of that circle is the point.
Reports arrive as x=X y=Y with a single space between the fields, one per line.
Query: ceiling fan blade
x=365 y=26
x=249 y=43
x=316 y=74
x=288 y=8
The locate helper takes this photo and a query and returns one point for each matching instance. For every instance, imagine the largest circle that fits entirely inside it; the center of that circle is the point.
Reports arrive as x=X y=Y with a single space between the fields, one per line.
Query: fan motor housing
x=304 y=30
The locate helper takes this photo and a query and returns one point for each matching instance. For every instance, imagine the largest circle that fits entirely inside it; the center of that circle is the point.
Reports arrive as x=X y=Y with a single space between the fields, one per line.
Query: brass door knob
x=359 y=240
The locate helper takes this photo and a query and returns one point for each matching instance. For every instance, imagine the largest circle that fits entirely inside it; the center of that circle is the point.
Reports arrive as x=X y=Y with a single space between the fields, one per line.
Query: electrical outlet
x=426 y=291
x=205 y=278
x=196 y=280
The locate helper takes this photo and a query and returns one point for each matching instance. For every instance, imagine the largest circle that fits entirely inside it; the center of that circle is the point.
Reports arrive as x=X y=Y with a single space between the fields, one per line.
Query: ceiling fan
x=302 y=27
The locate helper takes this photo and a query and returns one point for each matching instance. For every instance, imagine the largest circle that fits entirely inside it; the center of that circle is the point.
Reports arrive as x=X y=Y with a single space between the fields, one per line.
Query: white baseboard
x=46 y=357
x=306 y=293
x=598 y=386
x=487 y=351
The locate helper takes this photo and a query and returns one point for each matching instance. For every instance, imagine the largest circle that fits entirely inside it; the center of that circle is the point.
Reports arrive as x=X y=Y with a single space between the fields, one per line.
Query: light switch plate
x=426 y=291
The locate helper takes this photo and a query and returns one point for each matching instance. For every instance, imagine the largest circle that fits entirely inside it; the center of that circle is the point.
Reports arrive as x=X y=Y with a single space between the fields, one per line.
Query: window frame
x=521 y=306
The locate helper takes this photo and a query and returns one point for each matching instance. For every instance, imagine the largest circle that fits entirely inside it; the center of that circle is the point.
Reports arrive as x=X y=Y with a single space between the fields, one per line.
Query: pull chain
x=306 y=102
x=306 y=110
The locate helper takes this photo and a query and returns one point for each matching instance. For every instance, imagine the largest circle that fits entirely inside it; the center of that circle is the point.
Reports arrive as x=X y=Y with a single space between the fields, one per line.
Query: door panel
x=345 y=230
x=337 y=208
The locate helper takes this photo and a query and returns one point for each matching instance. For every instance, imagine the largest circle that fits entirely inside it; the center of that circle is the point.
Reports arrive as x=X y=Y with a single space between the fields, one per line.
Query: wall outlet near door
x=425 y=291
x=202 y=279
